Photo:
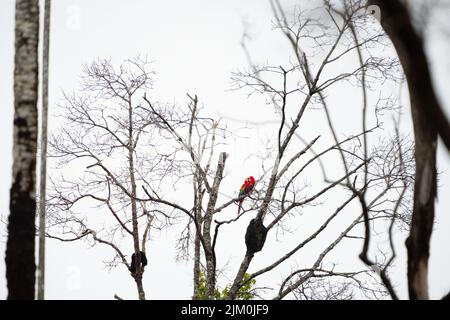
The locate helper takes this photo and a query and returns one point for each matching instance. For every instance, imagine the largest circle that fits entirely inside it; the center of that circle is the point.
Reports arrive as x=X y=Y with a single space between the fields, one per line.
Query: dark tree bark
x=131 y=165
x=397 y=23
x=20 y=264
x=196 y=270
x=429 y=120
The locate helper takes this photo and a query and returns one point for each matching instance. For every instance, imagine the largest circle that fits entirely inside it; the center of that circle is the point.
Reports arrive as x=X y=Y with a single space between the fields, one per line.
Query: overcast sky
x=195 y=45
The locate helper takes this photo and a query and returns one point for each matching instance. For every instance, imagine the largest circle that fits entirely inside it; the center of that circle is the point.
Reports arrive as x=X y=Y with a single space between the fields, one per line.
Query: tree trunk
x=239 y=276
x=428 y=119
x=139 y=269
x=20 y=264
x=209 y=251
x=43 y=172
x=196 y=266
x=198 y=199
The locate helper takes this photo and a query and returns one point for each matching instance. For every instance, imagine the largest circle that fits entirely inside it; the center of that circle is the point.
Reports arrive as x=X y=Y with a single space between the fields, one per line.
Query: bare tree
x=367 y=174
x=197 y=140
x=429 y=121
x=163 y=145
x=20 y=265
x=107 y=131
x=383 y=169
x=43 y=157
x=330 y=285
x=108 y=122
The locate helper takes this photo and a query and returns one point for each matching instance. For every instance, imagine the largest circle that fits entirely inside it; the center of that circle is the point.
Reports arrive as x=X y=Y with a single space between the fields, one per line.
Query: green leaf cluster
x=246 y=292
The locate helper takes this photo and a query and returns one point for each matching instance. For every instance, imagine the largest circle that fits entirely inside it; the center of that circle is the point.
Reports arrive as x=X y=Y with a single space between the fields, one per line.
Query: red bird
x=245 y=190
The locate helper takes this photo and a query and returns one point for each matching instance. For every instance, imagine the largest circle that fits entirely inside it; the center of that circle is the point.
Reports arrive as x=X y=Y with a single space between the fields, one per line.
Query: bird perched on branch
x=245 y=190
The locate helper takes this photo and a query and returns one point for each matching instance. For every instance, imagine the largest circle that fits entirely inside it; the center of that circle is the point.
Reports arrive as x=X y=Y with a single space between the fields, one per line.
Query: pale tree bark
x=20 y=264
x=43 y=168
x=209 y=250
x=198 y=182
x=429 y=121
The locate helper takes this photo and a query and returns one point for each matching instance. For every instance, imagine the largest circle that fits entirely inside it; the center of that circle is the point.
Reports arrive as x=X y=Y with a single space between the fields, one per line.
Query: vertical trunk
x=198 y=200
x=139 y=286
x=196 y=266
x=20 y=264
x=43 y=172
x=139 y=270
x=418 y=242
x=209 y=252
x=427 y=119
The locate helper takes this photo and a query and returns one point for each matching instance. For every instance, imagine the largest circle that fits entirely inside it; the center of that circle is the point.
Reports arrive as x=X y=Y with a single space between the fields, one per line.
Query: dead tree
x=111 y=137
x=375 y=168
x=20 y=248
x=362 y=177
x=429 y=122
x=196 y=141
x=276 y=193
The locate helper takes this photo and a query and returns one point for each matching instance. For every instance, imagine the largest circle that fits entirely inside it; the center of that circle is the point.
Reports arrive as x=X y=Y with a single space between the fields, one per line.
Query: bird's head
x=250 y=180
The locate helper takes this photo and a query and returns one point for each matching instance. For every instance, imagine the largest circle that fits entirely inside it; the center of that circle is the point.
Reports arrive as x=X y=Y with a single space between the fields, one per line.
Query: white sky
x=195 y=45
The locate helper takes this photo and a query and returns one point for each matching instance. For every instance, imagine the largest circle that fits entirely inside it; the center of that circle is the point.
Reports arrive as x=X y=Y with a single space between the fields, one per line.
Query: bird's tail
x=239 y=207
